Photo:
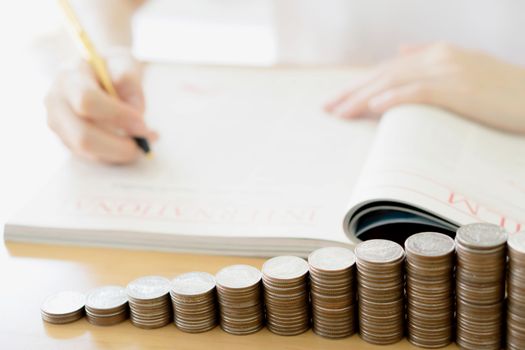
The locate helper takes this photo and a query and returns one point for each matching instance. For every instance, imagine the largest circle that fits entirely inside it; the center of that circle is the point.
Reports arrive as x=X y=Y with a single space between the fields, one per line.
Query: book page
x=242 y=153
x=457 y=169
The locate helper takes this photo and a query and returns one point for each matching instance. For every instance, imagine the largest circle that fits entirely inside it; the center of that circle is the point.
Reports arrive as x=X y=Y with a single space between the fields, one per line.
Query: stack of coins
x=63 y=307
x=149 y=302
x=480 y=285
x=516 y=293
x=240 y=299
x=380 y=278
x=193 y=299
x=430 y=289
x=285 y=280
x=107 y=305
x=332 y=291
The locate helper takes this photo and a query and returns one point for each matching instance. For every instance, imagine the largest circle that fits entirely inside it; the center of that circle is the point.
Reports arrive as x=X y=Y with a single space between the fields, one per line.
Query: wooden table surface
x=30 y=272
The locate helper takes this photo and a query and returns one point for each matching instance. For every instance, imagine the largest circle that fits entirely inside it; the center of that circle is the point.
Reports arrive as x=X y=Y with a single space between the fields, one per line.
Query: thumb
x=129 y=89
x=126 y=74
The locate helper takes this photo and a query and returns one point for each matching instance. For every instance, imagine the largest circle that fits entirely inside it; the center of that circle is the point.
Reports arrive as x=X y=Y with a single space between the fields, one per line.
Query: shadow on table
x=66 y=331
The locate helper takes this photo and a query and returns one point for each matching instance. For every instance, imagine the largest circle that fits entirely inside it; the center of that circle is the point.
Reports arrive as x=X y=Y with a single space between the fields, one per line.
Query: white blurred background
x=305 y=32
x=29 y=153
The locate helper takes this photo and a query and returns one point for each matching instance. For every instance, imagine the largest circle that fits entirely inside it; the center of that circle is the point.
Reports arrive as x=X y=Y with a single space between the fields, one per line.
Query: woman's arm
x=470 y=83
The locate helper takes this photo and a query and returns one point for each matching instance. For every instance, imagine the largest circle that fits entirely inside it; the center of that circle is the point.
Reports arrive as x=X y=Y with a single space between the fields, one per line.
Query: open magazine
x=249 y=164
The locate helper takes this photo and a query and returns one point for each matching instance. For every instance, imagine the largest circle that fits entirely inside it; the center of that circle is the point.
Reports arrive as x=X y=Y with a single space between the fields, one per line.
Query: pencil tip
x=150 y=155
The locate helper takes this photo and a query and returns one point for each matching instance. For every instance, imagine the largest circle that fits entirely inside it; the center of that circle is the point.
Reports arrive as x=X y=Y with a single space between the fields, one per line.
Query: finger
x=151 y=136
x=91 y=103
x=403 y=71
x=334 y=105
x=129 y=89
x=86 y=139
x=126 y=74
x=108 y=147
x=357 y=103
x=411 y=93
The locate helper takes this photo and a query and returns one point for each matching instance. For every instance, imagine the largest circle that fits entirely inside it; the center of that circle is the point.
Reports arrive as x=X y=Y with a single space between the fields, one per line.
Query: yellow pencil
x=95 y=60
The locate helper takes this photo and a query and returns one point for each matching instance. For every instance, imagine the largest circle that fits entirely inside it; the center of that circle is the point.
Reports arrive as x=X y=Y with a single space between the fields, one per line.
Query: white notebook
x=249 y=164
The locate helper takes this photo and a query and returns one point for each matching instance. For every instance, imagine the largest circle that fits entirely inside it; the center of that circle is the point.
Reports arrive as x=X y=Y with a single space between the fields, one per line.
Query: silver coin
x=430 y=244
x=286 y=295
x=63 y=303
x=429 y=289
x=331 y=258
x=516 y=311
x=193 y=283
x=517 y=242
x=481 y=235
x=285 y=267
x=107 y=297
x=379 y=251
x=380 y=305
x=332 y=292
x=480 y=285
x=238 y=276
x=239 y=297
x=148 y=287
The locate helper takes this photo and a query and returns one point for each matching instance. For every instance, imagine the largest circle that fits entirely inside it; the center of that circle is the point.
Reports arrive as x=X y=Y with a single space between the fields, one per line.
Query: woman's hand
x=93 y=124
x=470 y=83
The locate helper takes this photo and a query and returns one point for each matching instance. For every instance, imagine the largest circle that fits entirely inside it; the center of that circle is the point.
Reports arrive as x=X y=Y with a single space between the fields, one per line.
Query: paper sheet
x=243 y=153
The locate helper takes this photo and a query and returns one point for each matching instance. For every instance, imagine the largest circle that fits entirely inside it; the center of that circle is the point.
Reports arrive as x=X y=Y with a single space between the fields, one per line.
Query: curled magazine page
x=432 y=170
